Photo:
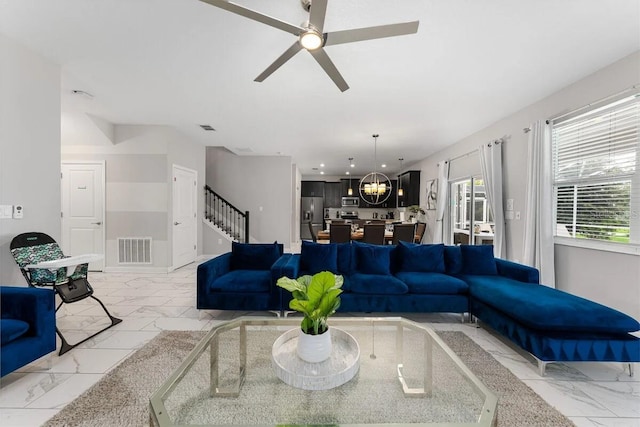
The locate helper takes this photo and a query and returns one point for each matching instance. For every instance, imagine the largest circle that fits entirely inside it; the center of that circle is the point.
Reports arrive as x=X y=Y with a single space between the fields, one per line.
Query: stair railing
x=227 y=217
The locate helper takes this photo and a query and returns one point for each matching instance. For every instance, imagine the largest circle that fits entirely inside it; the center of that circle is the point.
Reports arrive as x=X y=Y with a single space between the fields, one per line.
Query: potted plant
x=417 y=212
x=317 y=298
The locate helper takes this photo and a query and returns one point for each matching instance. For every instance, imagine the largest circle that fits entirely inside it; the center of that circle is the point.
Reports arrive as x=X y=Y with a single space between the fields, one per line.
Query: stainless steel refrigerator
x=312 y=209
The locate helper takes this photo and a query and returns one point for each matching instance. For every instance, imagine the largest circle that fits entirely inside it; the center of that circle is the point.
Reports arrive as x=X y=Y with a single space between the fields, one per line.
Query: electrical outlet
x=517 y=214
x=219 y=241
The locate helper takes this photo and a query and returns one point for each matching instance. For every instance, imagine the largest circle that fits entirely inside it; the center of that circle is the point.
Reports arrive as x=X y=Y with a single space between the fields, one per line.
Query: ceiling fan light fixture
x=311 y=39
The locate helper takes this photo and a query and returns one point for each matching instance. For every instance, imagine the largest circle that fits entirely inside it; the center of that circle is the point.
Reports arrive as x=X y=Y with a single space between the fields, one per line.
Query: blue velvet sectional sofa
x=27 y=326
x=550 y=324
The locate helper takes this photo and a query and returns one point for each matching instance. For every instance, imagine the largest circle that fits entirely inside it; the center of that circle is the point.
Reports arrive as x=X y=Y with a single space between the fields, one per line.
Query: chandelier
x=375 y=187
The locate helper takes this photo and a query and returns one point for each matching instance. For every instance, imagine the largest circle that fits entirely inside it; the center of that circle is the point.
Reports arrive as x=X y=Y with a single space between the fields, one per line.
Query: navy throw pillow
x=317 y=257
x=421 y=258
x=373 y=259
x=478 y=259
x=453 y=259
x=254 y=256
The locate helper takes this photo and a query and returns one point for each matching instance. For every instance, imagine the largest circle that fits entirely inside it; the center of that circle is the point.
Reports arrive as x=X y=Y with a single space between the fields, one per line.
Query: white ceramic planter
x=314 y=348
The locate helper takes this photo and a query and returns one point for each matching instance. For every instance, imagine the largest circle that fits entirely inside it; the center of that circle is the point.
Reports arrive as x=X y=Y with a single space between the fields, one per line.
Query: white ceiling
x=183 y=63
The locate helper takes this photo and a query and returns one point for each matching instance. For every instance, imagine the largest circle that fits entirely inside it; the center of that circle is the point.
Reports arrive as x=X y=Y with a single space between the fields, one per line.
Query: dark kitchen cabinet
x=312 y=189
x=332 y=194
x=410 y=183
x=345 y=187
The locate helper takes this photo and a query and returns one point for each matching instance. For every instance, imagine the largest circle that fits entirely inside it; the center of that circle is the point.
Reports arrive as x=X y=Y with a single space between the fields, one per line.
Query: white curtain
x=491 y=164
x=538 y=250
x=439 y=235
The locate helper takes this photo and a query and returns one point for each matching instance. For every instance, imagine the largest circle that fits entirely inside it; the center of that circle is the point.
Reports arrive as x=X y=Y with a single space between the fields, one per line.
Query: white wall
x=29 y=148
x=609 y=278
x=258 y=184
x=139 y=161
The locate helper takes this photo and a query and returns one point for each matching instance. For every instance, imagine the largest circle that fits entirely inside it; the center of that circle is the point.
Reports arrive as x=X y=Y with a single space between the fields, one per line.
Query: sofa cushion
x=420 y=258
x=317 y=257
x=380 y=284
x=345 y=258
x=373 y=259
x=12 y=329
x=254 y=256
x=243 y=281
x=478 y=259
x=432 y=283
x=548 y=309
x=452 y=259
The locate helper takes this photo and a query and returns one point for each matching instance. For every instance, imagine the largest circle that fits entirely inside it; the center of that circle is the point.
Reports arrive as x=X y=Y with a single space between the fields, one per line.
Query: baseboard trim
x=132 y=269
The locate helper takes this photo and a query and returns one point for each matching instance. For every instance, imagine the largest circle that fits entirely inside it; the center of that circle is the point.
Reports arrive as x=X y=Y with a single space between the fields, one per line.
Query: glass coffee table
x=404 y=374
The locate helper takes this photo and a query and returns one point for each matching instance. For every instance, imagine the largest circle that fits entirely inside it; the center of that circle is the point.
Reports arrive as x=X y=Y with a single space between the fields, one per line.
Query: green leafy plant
x=316 y=297
x=415 y=209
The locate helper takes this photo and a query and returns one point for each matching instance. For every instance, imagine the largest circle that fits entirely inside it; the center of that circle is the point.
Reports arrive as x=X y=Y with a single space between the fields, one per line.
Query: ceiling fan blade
x=256 y=16
x=317 y=13
x=369 y=33
x=327 y=65
x=287 y=55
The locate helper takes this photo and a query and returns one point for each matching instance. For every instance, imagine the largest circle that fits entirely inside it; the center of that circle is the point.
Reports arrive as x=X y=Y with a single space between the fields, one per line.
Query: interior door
x=83 y=196
x=185 y=184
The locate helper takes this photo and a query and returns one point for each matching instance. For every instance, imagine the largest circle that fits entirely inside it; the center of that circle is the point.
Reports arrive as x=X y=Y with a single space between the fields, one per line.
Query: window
x=596 y=178
x=470 y=211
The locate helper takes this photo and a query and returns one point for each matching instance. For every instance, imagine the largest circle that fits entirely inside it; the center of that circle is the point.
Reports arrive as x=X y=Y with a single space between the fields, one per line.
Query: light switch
x=508 y=215
x=6 y=211
x=509 y=204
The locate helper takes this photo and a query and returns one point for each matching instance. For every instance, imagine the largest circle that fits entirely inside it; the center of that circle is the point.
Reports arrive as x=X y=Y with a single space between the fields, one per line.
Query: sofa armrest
x=210 y=270
x=288 y=265
x=33 y=305
x=519 y=272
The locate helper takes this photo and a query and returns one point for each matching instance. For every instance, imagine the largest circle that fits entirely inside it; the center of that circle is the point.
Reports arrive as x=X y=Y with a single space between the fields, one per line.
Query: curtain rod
x=495 y=141
x=599 y=101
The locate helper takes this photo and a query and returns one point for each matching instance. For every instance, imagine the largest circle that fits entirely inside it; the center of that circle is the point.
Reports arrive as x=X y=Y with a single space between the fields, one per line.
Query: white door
x=185 y=184
x=83 y=225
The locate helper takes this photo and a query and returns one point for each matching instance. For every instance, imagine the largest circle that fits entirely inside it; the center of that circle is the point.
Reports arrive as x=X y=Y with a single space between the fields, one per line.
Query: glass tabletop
x=406 y=375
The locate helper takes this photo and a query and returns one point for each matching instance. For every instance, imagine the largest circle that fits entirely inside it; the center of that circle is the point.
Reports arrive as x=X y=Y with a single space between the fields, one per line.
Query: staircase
x=226 y=217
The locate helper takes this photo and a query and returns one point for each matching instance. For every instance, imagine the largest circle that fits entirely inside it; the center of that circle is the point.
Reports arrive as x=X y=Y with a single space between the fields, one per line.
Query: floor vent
x=134 y=250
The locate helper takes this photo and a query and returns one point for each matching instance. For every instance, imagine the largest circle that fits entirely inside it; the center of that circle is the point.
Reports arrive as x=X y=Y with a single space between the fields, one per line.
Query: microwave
x=350 y=202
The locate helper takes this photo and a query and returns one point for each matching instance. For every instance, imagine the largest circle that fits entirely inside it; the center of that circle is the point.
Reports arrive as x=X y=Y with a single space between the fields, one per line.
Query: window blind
x=596 y=179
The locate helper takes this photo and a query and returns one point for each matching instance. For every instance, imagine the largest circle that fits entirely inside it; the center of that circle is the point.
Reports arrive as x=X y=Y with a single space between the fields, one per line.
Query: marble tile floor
x=590 y=394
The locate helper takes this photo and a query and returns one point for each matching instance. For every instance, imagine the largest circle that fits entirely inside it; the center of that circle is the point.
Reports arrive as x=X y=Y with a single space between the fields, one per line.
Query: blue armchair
x=27 y=326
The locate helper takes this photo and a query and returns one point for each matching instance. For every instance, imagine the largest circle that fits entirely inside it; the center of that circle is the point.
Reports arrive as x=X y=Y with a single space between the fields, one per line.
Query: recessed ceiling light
x=384 y=165
x=347 y=173
x=353 y=165
x=321 y=172
x=321 y=165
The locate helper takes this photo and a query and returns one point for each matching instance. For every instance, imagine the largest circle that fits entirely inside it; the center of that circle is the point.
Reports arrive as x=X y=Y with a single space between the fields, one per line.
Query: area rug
x=121 y=398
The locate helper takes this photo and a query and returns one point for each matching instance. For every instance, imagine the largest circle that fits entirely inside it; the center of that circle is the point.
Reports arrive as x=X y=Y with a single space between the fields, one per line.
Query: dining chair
x=403 y=232
x=374 y=233
x=420 y=230
x=340 y=233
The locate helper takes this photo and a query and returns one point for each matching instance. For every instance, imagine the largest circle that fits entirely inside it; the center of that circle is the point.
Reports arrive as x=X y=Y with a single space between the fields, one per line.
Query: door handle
x=177 y=223
x=97 y=223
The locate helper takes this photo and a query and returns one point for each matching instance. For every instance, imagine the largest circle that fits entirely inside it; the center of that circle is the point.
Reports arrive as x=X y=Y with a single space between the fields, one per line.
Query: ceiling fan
x=311 y=37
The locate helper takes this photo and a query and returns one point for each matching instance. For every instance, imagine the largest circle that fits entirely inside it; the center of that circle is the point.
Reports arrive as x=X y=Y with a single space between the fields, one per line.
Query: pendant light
x=375 y=187
x=400 y=190
x=350 y=190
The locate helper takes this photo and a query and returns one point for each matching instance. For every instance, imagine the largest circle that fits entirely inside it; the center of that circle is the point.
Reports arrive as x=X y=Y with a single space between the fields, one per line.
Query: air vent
x=134 y=250
x=207 y=127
